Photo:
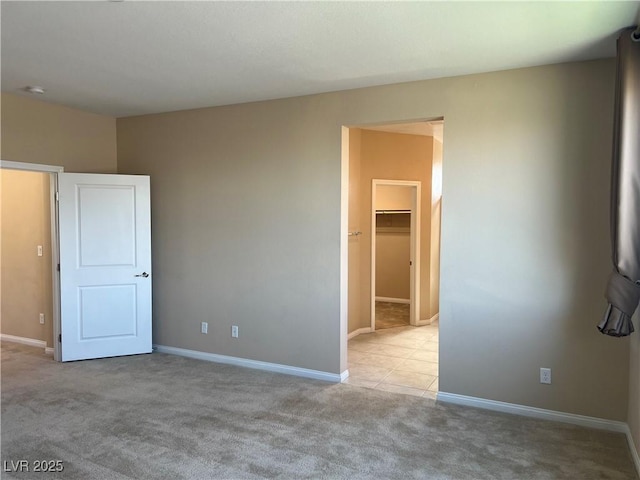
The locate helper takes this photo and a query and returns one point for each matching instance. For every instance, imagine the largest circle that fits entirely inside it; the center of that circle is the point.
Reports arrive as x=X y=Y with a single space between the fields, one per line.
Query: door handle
x=143 y=274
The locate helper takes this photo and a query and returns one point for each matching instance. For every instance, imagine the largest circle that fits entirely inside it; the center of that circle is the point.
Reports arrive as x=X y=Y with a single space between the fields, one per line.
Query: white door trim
x=344 y=250
x=53 y=171
x=33 y=167
x=414 y=288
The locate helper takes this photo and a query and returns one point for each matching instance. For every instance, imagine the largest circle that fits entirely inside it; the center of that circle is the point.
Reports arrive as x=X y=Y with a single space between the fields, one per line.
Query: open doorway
x=28 y=256
x=402 y=358
x=395 y=253
x=100 y=258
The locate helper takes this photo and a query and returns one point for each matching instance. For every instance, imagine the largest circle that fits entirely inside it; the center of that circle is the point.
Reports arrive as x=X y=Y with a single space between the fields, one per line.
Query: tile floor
x=400 y=359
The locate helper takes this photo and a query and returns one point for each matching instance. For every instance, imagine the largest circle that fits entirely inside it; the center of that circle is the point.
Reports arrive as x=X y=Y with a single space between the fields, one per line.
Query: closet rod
x=384 y=212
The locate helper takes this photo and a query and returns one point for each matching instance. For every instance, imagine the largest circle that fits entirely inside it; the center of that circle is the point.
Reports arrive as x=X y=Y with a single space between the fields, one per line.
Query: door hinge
x=58 y=267
x=60 y=338
x=57 y=196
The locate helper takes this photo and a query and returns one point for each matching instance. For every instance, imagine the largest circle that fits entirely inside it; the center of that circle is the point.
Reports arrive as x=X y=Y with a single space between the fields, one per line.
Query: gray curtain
x=623 y=289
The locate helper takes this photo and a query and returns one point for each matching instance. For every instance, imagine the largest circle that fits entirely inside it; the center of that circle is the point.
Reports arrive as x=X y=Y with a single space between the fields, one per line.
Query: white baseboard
x=359 y=331
x=393 y=300
x=256 y=364
x=344 y=375
x=634 y=450
x=32 y=342
x=48 y=350
x=544 y=414
x=428 y=321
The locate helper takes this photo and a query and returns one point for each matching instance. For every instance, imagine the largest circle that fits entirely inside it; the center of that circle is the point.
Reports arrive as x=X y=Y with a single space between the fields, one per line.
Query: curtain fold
x=623 y=288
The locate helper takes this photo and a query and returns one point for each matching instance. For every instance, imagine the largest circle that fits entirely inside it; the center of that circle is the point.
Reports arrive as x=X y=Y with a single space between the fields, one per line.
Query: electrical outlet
x=204 y=327
x=42 y=319
x=234 y=331
x=545 y=375
x=39 y=250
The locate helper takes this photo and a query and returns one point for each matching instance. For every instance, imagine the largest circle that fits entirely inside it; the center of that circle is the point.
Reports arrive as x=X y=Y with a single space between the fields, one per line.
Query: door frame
x=414 y=249
x=343 y=323
x=53 y=171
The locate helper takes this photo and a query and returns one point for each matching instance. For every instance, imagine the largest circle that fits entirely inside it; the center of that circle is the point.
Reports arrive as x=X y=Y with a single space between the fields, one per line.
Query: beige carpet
x=161 y=416
x=389 y=315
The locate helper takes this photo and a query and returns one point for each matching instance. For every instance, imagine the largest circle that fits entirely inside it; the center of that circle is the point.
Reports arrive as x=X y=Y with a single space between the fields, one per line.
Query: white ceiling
x=130 y=58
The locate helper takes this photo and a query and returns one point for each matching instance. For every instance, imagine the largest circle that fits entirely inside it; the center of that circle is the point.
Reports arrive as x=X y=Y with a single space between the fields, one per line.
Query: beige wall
x=392 y=265
x=434 y=245
x=633 y=417
x=393 y=253
x=37 y=132
x=525 y=244
x=26 y=278
x=354 y=316
x=393 y=242
x=395 y=156
x=393 y=197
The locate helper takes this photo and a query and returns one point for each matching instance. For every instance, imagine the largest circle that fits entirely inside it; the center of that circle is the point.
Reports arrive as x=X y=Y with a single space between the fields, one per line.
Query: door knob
x=143 y=274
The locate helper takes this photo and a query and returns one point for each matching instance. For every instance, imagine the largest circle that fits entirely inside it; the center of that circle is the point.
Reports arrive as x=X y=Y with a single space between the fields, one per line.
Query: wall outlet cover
x=545 y=376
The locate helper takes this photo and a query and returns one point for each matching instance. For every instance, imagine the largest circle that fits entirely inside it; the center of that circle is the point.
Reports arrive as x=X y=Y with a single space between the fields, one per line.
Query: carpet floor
x=160 y=416
x=389 y=315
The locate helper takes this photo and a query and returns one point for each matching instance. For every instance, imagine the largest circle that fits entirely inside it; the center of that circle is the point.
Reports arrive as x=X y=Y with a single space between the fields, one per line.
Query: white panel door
x=105 y=265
